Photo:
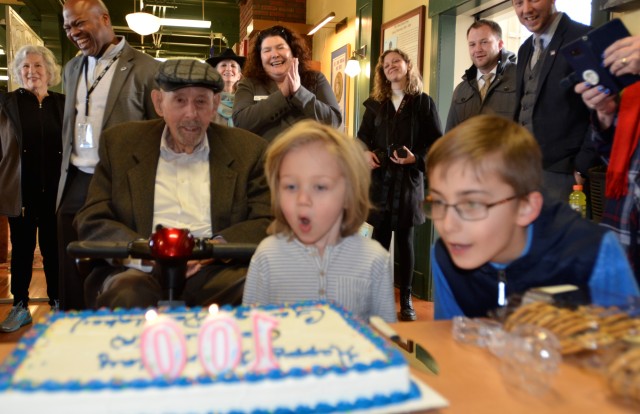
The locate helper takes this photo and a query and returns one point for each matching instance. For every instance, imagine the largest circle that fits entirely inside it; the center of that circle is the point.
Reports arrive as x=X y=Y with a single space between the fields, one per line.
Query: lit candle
x=219 y=342
x=163 y=346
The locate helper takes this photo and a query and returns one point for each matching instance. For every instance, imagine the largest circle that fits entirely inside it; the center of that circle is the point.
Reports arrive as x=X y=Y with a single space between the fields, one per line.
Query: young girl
x=319 y=182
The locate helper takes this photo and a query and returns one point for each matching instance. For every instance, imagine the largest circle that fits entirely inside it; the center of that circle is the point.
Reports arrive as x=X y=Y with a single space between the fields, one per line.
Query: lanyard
x=98 y=79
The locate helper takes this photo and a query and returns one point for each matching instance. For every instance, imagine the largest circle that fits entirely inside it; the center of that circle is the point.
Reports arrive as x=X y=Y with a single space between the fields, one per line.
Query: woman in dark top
x=399 y=125
x=279 y=88
x=30 y=157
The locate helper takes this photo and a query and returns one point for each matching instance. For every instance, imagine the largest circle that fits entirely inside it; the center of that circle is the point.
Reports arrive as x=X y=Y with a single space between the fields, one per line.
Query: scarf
x=225 y=109
x=625 y=142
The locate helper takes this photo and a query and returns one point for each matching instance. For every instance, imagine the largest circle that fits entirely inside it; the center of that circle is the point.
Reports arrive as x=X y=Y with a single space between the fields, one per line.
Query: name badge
x=260 y=97
x=84 y=132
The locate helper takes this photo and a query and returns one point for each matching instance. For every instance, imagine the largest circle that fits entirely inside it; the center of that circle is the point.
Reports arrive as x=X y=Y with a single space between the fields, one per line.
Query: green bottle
x=578 y=200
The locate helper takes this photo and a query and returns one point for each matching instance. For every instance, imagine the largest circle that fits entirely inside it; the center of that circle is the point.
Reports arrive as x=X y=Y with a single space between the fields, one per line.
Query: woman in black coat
x=399 y=125
x=30 y=157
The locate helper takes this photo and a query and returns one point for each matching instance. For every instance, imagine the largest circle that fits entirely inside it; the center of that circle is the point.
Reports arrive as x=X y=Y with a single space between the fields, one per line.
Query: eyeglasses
x=467 y=210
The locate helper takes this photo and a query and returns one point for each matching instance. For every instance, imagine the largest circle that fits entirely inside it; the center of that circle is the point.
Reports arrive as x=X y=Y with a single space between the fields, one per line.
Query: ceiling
x=45 y=17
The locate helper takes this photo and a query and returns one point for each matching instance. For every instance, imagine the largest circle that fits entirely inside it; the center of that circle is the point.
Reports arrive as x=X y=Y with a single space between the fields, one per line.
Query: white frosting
x=70 y=349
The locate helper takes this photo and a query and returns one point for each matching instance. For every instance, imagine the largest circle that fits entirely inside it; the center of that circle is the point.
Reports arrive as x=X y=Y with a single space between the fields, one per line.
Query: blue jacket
x=562 y=248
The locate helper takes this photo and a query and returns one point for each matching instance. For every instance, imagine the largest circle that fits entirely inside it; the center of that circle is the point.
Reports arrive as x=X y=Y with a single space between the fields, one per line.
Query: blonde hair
x=382 y=87
x=53 y=69
x=491 y=143
x=349 y=153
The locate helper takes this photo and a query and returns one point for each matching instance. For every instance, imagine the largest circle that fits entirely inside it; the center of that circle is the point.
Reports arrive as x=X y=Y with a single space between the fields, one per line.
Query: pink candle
x=263 y=326
x=219 y=342
x=163 y=346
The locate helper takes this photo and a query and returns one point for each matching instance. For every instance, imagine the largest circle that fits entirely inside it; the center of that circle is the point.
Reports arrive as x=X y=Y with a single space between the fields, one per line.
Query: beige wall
x=326 y=40
x=631 y=19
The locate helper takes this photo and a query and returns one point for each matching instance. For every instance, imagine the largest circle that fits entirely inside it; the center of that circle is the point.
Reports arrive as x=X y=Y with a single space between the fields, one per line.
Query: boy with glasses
x=497 y=235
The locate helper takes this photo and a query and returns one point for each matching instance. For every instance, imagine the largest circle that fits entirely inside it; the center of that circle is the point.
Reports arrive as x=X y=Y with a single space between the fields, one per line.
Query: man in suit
x=109 y=83
x=553 y=113
x=489 y=85
x=179 y=171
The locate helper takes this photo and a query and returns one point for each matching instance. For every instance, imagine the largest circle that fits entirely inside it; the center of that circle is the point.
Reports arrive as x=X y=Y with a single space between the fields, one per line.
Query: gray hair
x=53 y=69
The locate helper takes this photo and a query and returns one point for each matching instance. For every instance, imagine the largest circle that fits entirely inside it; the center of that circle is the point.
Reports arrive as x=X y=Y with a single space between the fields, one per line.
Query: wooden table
x=470 y=380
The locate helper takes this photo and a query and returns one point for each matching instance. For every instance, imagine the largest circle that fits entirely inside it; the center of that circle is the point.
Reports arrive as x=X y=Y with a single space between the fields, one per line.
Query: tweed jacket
x=119 y=204
x=262 y=109
x=500 y=99
x=129 y=98
x=560 y=118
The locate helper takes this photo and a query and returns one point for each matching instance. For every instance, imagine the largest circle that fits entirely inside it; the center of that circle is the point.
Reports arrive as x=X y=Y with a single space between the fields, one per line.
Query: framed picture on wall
x=339 y=80
x=402 y=32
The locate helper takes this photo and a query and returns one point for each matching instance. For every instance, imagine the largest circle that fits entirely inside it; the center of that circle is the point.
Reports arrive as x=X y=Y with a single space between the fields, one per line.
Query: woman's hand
x=293 y=76
x=409 y=159
x=623 y=56
x=599 y=99
x=372 y=160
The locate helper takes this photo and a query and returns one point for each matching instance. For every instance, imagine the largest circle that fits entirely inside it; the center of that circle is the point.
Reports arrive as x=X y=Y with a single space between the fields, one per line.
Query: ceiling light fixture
x=148 y=23
x=353 y=64
x=143 y=23
x=202 y=24
x=324 y=21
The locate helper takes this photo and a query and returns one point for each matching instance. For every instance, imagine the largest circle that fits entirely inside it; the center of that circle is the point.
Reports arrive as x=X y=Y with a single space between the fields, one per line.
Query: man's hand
x=194 y=266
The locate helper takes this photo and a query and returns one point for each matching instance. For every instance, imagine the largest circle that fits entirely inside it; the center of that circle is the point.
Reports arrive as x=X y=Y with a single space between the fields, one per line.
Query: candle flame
x=213 y=309
x=151 y=315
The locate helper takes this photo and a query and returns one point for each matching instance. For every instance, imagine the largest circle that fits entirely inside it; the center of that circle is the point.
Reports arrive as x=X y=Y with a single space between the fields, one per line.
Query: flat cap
x=181 y=73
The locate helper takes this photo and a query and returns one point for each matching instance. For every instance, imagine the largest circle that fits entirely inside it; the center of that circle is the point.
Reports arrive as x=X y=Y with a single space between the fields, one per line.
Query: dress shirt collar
x=494 y=71
x=551 y=30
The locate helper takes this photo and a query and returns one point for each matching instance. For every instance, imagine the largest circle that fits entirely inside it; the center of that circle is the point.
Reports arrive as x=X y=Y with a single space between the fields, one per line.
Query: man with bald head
x=109 y=83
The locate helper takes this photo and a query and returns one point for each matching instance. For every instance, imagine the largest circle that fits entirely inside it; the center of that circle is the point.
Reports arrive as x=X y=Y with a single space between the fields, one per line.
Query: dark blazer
x=262 y=109
x=560 y=118
x=119 y=204
x=129 y=98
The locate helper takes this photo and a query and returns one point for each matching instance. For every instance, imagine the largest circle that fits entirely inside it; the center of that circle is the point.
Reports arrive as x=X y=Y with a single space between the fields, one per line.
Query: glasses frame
x=455 y=207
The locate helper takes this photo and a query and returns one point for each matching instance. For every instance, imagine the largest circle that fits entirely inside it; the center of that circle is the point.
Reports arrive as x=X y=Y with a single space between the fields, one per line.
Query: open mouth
x=305 y=224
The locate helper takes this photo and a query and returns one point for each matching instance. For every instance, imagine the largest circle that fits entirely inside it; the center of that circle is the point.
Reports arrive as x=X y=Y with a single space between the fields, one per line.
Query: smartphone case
x=585 y=56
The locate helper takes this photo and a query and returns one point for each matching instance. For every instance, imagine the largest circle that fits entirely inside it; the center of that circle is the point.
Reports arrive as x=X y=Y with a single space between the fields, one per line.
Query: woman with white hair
x=30 y=157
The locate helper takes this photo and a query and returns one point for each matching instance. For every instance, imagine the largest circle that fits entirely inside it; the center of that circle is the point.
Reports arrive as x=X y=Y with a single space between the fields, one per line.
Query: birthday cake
x=314 y=358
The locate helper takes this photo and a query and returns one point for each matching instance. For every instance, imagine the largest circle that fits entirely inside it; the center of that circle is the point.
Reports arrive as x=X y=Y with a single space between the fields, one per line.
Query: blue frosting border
x=395 y=358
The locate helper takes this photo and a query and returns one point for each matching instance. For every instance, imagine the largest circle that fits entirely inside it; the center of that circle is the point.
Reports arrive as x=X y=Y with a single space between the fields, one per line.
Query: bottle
x=578 y=200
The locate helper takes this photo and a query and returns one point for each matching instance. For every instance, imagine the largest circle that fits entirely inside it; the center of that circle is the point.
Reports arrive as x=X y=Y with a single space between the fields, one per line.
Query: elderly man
x=555 y=115
x=179 y=171
x=489 y=85
x=109 y=83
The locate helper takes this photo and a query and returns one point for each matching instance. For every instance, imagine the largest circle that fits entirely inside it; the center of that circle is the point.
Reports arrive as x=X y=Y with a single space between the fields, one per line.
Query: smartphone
x=585 y=56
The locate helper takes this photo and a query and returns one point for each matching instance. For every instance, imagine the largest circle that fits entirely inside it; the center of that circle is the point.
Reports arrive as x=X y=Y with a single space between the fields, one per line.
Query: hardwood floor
x=40 y=307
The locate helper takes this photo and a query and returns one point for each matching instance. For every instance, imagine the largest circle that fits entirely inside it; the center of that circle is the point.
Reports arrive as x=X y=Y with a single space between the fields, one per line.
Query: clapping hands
x=291 y=82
